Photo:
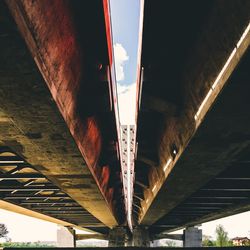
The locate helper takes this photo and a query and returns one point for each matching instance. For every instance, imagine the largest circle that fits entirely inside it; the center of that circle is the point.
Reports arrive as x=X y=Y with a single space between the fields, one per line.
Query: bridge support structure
x=192 y=237
x=141 y=237
x=66 y=237
x=117 y=237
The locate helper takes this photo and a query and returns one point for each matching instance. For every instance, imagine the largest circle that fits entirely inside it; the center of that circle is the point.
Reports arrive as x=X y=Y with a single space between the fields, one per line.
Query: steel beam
x=21 y=176
x=11 y=159
x=46 y=202
x=30 y=197
x=67 y=212
x=59 y=208
x=28 y=188
x=230 y=197
x=208 y=203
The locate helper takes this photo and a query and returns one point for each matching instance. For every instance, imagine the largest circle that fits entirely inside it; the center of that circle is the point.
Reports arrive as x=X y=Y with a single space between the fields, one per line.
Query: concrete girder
x=51 y=36
x=204 y=73
x=91 y=236
x=167 y=236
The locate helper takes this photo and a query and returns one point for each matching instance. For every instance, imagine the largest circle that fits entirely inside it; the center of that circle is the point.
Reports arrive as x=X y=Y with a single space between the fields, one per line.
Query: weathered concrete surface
x=141 y=237
x=192 y=237
x=91 y=236
x=66 y=237
x=225 y=131
x=229 y=192
x=180 y=68
x=30 y=121
x=167 y=236
x=117 y=236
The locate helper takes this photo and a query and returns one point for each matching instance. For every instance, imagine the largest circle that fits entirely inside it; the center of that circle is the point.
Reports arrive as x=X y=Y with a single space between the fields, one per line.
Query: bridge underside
x=222 y=139
x=189 y=51
x=58 y=125
x=57 y=112
x=22 y=185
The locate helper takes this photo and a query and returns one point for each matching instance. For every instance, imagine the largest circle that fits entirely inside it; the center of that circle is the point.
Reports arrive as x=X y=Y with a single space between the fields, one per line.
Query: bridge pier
x=66 y=237
x=117 y=237
x=141 y=237
x=192 y=237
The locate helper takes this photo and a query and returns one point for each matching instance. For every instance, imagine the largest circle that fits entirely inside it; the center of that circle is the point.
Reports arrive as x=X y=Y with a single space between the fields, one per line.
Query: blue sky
x=125 y=15
x=125 y=28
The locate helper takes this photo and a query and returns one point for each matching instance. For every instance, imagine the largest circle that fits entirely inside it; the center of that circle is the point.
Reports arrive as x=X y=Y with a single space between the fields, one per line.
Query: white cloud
x=126 y=93
x=127 y=103
x=121 y=57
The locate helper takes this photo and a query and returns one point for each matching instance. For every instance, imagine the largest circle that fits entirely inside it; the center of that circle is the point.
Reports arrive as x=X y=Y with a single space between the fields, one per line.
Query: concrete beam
x=202 y=80
x=51 y=36
x=141 y=237
x=91 y=236
x=117 y=237
x=168 y=236
x=35 y=188
x=30 y=197
x=21 y=176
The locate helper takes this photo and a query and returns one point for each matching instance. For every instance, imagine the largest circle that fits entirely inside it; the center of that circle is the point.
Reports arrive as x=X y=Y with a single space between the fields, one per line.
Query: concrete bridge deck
x=57 y=110
x=193 y=122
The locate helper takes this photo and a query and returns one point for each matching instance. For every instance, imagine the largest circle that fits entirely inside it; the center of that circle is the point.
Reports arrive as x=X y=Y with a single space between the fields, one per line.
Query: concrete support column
x=117 y=237
x=141 y=237
x=66 y=237
x=192 y=237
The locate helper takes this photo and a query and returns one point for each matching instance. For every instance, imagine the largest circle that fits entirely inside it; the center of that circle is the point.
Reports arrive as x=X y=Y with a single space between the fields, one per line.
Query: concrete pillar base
x=117 y=237
x=140 y=237
x=192 y=237
x=66 y=237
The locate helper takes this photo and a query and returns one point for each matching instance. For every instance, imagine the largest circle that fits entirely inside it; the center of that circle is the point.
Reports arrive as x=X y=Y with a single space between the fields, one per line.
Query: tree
x=221 y=236
x=3 y=231
x=170 y=243
x=207 y=241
